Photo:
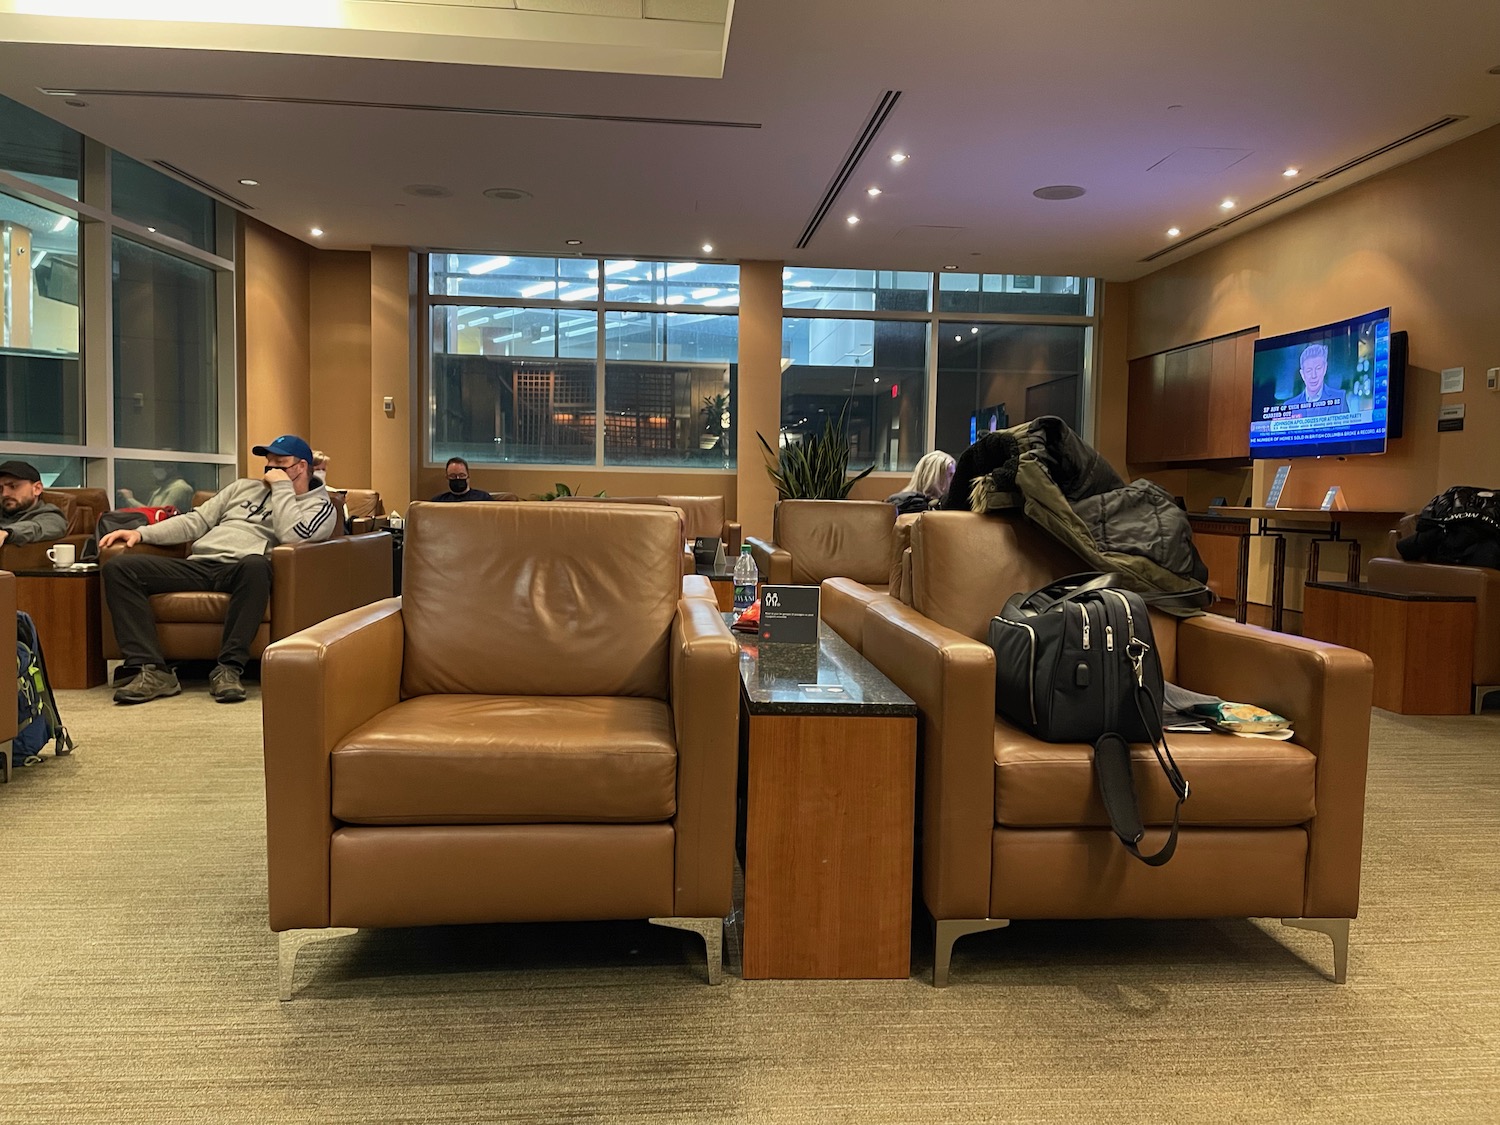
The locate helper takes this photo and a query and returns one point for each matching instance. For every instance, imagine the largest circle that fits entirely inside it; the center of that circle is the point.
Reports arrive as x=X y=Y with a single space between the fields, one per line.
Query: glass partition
x=41 y=382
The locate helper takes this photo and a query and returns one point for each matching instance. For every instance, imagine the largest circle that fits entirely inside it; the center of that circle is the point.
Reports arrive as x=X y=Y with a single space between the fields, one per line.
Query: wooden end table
x=1422 y=644
x=65 y=604
x=829 y=783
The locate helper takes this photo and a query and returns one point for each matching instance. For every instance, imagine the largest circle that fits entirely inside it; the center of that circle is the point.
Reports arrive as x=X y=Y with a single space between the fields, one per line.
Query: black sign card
x=706 y=549
x=789 y=615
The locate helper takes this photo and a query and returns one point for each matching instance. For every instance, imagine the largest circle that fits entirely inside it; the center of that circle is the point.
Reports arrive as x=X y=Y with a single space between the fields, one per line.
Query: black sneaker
x=150 y=683
x=224 y=684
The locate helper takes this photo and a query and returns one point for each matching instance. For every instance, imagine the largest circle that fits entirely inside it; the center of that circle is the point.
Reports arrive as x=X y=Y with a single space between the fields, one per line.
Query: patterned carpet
x=139 y=981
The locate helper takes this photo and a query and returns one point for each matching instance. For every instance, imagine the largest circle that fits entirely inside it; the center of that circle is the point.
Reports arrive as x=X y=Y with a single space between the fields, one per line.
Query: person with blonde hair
x=928 y=485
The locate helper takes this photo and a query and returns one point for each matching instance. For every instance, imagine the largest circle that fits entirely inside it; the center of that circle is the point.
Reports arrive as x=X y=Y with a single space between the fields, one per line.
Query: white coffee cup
x=63 y=555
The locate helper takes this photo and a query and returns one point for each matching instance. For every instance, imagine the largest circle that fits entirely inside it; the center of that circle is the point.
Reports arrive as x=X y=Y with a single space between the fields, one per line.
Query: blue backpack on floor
x=37 y=721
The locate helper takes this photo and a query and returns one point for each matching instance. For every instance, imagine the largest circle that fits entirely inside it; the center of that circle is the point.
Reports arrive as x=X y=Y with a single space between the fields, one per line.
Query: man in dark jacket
x=24 y=516
x=458 y=484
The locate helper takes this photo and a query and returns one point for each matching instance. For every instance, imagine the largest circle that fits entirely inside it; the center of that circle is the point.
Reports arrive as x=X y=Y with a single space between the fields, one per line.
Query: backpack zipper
x=1083 y=613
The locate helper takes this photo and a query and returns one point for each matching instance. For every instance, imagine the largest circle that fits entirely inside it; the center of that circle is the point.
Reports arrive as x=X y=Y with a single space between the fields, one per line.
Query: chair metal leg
x=292 y=941
x=1338 y=930
x=946 y=931
x=1480 y=691
x=712 y=932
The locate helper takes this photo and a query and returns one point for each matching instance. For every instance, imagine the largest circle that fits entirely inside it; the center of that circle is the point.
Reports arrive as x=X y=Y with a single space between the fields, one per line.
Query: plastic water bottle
x=745 y=577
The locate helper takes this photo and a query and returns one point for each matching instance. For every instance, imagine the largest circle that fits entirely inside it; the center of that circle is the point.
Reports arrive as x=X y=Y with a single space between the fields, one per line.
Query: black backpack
x=1076 y=661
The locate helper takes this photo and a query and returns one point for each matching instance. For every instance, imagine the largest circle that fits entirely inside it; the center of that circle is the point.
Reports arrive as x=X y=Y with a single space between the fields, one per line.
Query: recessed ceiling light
x=872 y=192
x=852 y=219
x=317 y=232
x=575 y=242
x=506 y=194
x=251 y=183
x=76 y=103
x=900 y=157
x=1290 y=172
x=1494 y=70
x=1173 y=232
x=1059 y=191
x=1227 y=205
x=950 y=267
x=708 y=247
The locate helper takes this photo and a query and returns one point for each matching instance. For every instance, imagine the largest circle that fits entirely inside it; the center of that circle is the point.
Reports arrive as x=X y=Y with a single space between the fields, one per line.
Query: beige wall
x=759 y=391
x=393 y=342
x=1111 y=376
x=340 y=364
x=274 y=314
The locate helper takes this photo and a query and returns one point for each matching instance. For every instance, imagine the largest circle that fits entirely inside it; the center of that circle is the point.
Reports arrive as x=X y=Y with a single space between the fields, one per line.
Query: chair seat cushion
x=477 y=759
x=194 y=607
x=1236 y=782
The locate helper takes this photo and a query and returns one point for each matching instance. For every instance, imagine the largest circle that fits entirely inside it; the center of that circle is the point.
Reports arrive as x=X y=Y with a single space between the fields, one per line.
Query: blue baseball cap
x=287 y=445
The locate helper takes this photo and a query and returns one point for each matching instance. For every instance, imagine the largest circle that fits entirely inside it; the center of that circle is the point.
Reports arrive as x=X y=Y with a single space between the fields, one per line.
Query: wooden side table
x=830 y=799
x=1422 y=644
x=65 y=604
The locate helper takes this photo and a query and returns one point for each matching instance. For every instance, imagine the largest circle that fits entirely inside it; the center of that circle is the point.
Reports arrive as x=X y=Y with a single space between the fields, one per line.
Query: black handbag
x=1076 y=661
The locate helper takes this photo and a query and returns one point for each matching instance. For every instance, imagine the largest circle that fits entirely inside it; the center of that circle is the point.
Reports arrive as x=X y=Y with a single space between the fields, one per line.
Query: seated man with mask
x=232 y=536
x=458 y=484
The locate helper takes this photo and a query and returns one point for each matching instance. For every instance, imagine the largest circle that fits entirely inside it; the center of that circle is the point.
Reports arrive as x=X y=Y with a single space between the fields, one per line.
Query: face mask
x=458 y=487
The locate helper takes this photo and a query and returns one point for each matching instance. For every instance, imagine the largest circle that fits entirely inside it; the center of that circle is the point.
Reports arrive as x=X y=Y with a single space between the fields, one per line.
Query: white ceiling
x=998 y=98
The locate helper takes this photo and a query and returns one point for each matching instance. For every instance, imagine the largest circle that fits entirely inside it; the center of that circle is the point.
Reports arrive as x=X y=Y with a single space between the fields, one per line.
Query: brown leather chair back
x=73 y=511
x=362 y=502
x=539 y=599
x=703 y=516
x=203 y=496
x=837 y=539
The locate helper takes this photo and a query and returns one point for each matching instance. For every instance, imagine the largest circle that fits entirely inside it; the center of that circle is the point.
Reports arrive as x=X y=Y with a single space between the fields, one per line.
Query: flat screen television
x=987 y=421
x=1328 y=391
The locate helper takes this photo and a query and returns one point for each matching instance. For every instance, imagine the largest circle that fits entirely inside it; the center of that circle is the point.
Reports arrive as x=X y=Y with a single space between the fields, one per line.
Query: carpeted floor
x=139 y=981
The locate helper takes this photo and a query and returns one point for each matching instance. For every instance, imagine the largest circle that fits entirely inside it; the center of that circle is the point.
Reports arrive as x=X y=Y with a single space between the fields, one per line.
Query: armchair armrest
x=774 y=564
x=842 y=604
x=733 y=535
x=33 y=556
x=312 y=582
x=952 y=680
x=317 y=687
x=1325 y=690
x=705 y=696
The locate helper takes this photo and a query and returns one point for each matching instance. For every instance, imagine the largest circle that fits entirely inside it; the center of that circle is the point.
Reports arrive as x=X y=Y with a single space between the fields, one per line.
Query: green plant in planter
x=817 y=469
x=558 y=490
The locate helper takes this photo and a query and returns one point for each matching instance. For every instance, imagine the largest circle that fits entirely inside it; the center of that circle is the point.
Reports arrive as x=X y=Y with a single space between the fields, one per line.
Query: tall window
x=874 y=347
x=568 y=361
x=151 y=399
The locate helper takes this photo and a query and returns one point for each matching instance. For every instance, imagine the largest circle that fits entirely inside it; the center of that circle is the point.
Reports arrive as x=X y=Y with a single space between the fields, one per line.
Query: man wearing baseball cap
x=24 y=516
x=232 y=536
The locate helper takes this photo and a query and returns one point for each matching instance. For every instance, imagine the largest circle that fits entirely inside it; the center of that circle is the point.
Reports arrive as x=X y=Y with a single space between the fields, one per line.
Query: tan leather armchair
x=552 y=738
x=818 y=539
x=310 y=582
x=81 y=507
x=1013 y=828
x=1480 y=583
x=8 y=715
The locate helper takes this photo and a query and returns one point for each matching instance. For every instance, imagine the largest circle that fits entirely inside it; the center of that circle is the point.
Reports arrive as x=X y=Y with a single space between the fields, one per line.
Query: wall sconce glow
x=1173 y=232
x=1227 y=205
x=317 y=232
x=1290 y=172
x=852 y=219
x=872 y=192
x=900 y=157
x=276 y=13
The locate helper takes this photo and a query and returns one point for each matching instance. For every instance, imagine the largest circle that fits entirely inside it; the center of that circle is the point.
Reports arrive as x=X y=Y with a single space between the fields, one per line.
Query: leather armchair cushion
x=198 y=607
x=509 y=760
x=1236 y=782
x=702 y=515
x=837 y=539
x=363 y=502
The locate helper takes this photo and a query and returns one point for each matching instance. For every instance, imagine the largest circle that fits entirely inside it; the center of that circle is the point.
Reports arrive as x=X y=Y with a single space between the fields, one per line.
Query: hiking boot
x=224 y=684
x=150 y=683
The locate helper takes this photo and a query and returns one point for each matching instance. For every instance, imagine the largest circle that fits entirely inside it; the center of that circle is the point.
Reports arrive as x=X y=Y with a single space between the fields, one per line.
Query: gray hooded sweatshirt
x=246 y=519
x=40 y=523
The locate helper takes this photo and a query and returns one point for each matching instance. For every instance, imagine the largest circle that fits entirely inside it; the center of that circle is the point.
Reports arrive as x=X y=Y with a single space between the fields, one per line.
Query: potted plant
x=815 y=469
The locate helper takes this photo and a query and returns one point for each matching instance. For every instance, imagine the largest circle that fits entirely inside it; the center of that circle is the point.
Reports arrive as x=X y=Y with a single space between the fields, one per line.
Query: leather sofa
x=702 y=516
x=309 y=583
x=817 y=539
x=81 y=507
x=552 y=738
x=1480 y=583
x=1013 y=828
